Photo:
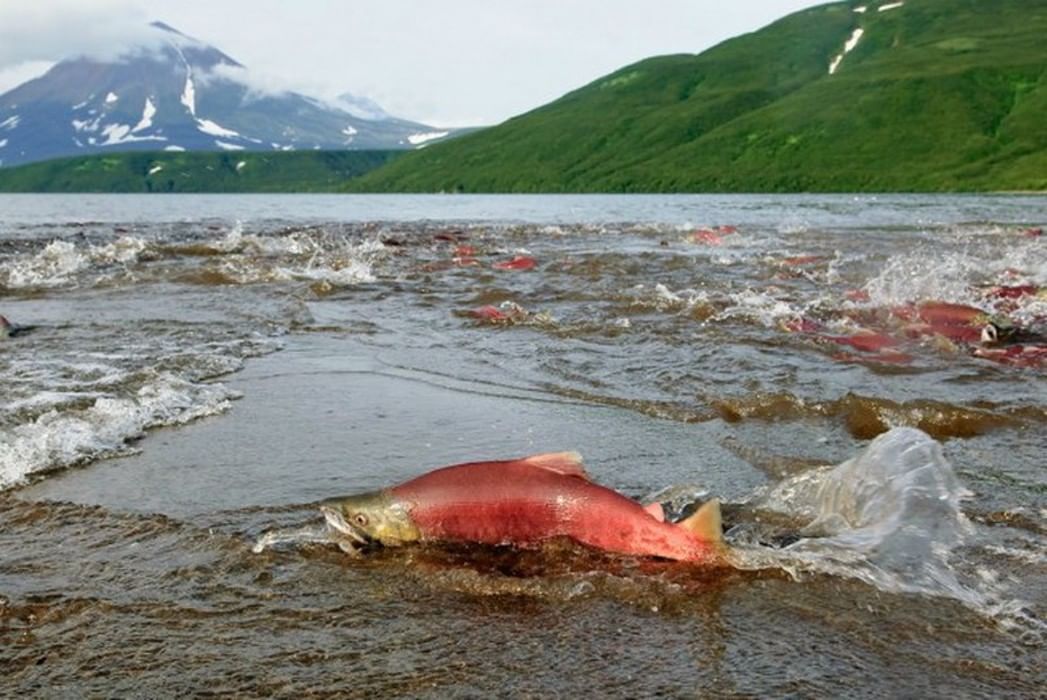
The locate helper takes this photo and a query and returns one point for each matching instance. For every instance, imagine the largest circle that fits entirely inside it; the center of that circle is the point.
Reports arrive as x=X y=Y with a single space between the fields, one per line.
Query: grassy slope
x=301 y=171
x=938 y=95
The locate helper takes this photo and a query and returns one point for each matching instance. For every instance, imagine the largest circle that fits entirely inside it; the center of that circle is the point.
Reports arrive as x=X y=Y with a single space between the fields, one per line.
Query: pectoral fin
x=706 y=523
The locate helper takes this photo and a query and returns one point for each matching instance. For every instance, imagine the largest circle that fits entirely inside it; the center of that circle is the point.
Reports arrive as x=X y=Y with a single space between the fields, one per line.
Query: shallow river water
x=861 y=380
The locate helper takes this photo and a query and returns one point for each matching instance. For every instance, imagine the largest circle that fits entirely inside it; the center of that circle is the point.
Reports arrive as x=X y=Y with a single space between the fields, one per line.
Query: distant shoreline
x=296 y=172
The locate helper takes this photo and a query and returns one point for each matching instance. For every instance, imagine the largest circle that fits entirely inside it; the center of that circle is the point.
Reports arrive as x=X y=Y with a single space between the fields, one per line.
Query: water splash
x=63 y=438
x=294 y=537
x=890 y=517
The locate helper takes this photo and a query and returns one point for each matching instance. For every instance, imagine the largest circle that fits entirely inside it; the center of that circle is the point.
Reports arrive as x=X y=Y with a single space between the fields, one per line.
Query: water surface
x=205 y=369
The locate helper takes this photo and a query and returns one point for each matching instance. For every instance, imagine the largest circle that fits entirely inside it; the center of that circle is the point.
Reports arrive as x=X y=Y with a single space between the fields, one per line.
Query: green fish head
x=370 y=519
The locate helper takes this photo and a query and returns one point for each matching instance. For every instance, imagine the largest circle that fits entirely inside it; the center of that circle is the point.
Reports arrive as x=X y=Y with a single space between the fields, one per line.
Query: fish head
x=997 y=330
x=375 y=518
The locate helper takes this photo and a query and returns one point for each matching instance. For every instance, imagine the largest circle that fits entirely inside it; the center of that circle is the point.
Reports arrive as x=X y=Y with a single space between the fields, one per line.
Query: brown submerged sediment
x=866 y=417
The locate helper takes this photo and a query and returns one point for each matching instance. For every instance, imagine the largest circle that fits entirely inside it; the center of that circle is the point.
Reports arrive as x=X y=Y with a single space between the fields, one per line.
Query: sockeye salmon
x=522 y=502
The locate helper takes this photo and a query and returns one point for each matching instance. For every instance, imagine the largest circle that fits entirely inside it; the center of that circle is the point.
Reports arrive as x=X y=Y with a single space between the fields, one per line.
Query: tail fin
x=706 y=523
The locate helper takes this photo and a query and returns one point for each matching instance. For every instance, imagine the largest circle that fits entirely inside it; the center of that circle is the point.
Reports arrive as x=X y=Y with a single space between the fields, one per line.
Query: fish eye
x=360 y=519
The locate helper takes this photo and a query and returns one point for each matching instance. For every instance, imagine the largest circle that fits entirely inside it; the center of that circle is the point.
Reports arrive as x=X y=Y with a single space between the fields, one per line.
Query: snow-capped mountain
x=177 y=93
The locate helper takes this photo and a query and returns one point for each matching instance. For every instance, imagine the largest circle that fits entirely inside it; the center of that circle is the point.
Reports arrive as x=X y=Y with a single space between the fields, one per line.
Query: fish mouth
x=357 y=538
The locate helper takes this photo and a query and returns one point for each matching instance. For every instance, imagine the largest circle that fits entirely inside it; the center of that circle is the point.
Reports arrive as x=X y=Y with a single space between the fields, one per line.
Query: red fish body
x=524 y=502
x=707 y=236
x=1017 y=355
x=520 y=262
x=489 y=313
x=1016 y=291
x=941 y=313
x=866 y=342
x=517 y=503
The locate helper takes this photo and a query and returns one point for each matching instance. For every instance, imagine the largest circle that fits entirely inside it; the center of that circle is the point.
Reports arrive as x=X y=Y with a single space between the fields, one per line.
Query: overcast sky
x=446 y=63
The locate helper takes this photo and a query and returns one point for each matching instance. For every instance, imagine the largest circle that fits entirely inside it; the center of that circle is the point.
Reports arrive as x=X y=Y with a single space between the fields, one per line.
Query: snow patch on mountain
x=189 y=89
x=121 y=133
x=148 y=112
x=419 y=139
x=211 y=129
x=171 y=87
x=856 y=36
x=86 y=124
x=189 y=94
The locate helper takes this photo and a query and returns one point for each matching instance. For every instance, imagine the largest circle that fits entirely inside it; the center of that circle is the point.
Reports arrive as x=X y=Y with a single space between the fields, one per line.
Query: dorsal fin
x=656 y=511
x=706 y=523
x=566 y=463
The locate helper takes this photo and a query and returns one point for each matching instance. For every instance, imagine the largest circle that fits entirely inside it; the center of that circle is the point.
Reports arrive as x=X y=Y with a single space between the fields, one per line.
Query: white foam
x=174 y=148
x=861 y=10
x=58 y=263
x=226 y=146
x=928 y=273
x=155 y=169
x=890 y=6
x=111 y=98
x=61 y=439
x=759 y=306
x=10 y=123
x=665 y=299
x=3 y=142
x=51 y=267
x=339 y=263
x=240 y=166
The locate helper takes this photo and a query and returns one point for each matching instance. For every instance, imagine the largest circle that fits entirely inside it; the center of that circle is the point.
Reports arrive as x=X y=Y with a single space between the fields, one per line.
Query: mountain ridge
x=174 y=93
x=929 y=95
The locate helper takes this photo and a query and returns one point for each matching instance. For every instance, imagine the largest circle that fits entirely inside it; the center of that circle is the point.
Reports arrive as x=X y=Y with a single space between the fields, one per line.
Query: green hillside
x=292 y=171
x=937 y=95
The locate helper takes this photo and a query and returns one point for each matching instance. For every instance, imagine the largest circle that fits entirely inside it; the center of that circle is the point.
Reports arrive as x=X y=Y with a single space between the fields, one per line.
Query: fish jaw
x=336 y=521
x=369 y=519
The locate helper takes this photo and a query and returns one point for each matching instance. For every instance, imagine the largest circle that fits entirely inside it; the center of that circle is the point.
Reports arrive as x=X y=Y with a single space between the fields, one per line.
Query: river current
x=860 y=380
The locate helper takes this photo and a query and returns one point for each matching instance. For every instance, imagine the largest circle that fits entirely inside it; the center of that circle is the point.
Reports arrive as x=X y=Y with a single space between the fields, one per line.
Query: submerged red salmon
x=522 y=502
